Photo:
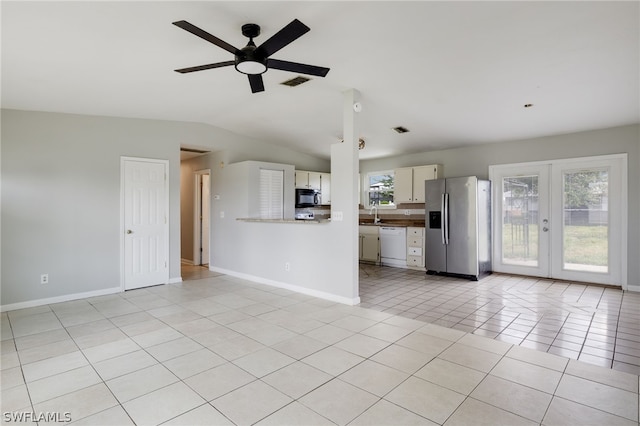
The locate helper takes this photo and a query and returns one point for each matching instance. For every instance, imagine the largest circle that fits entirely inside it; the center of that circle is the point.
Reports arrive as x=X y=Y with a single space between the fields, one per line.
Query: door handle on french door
x=129 y=231
x=545 y=228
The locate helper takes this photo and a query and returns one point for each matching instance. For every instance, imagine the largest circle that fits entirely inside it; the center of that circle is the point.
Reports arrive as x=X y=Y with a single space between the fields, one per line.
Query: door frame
x=621 y=216
x=123 y=160
x=197 y=234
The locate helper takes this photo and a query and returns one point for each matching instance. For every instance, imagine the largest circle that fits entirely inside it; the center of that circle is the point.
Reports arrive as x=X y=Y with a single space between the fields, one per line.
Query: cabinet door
x=302 y=179
x=370 y=247
x=325 y=188
x=420 y=174
x=369 y=243
x=403 y=185
x=314 y=180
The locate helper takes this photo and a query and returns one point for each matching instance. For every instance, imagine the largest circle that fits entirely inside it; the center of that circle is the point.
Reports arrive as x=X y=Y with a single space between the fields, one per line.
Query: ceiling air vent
x=401 y=129
x=296 y=81
x=195 y=151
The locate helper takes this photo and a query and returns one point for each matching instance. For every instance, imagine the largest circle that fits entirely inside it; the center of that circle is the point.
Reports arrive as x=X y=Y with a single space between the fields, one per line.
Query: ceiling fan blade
x=257 y=85
x=286 y=35
x=205 y=35
x=297 y=67
x=205 y=67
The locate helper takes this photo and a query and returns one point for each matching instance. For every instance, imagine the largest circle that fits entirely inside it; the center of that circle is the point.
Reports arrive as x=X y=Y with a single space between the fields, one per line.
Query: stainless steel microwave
x=307 y=197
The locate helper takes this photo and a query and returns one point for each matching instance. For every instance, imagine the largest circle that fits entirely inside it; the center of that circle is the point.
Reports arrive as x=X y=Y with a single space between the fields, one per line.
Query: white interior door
x=205 y=212
x=563 y=219
x=145 y=222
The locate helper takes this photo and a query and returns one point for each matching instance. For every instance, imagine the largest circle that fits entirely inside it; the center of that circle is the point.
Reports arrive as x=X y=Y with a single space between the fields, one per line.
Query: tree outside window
x=379 y=189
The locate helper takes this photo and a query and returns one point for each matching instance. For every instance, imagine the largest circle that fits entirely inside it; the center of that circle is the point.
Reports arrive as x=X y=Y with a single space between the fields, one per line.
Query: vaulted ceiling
x=452 y=73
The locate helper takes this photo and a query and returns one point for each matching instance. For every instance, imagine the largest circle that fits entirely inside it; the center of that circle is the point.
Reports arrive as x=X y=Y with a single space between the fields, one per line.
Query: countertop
x=394 y=222
x=389 y=222
x=294 y=221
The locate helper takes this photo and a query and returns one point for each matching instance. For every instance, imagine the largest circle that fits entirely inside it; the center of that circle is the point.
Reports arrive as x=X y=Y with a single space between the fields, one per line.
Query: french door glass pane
x=586 y=221
x=520 y=220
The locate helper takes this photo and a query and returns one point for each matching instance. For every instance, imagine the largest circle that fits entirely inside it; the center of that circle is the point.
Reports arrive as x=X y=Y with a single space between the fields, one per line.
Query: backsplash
x=400 y=213
x=414 y=214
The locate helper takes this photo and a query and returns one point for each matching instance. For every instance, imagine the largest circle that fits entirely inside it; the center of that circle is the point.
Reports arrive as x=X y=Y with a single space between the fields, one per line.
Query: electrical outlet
x=44 y=279
x=407 y=213
x=337 y=216
x=287 y=266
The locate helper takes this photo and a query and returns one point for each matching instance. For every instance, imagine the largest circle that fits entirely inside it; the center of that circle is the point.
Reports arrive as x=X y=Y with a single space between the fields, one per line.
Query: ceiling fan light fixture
x=250 y=66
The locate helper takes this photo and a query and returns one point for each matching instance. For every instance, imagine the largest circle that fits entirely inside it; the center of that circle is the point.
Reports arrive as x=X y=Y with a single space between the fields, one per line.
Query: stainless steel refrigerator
x=458 y=227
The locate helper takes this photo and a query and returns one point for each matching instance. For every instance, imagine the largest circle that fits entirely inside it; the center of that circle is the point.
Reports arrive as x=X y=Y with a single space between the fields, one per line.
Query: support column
x=344 y=189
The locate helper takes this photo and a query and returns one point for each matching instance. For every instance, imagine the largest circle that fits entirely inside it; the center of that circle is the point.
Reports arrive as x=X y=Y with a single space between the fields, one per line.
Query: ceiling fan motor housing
x=249 y=59
x=251 y=30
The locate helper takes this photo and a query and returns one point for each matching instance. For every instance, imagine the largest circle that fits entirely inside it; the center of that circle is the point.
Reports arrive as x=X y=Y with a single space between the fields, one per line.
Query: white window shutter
x=271 y=194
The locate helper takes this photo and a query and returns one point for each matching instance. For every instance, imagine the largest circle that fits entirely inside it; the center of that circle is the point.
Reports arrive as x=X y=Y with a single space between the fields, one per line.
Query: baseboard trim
x=59 y=299
x=175 y=280
x=295 y=288
x=634 y=288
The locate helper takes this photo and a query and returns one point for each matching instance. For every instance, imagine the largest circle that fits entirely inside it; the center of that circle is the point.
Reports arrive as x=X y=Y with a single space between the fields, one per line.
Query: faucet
x=375 y=219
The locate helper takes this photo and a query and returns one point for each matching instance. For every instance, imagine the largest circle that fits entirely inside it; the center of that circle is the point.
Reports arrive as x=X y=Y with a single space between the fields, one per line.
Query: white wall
x=477 y=159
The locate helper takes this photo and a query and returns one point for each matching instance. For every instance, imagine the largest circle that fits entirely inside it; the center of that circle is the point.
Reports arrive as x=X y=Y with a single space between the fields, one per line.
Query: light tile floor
x=220 y=350
x=594 y=324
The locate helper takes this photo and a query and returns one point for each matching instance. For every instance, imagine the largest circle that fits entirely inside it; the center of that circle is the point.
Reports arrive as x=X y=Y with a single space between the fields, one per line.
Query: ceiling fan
x=252 y=60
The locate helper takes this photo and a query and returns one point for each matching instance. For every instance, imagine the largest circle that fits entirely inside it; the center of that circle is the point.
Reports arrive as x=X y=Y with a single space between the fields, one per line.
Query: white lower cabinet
x=415 y=247
x=369 y=244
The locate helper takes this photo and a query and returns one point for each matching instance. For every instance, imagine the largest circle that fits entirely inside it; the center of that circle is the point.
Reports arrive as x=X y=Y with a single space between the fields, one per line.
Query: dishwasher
x=393 y=246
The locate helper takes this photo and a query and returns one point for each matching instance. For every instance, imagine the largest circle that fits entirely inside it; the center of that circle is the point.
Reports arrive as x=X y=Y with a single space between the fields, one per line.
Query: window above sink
x=379 y=189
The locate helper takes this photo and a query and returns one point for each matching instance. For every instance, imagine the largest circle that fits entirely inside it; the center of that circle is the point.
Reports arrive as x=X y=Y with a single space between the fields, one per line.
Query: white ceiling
x=453 y=73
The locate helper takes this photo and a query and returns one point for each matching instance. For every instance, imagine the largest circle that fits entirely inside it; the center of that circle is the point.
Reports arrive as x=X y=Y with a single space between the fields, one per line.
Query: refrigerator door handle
x=442 y=216
x=445 y=220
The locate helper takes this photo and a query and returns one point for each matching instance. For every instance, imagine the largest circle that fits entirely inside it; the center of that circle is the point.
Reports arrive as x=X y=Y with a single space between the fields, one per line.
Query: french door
x=563 y=219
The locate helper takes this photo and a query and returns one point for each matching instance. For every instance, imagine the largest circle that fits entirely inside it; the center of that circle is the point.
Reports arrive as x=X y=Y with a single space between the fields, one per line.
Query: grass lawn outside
x=583 y=245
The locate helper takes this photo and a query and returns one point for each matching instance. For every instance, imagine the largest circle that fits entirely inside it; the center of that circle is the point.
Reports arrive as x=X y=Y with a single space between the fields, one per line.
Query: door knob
x=129 y=231
x=545 y=229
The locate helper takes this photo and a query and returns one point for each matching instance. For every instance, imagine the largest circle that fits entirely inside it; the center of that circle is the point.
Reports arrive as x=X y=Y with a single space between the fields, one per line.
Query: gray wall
x=61 y=194
x=61 y=200
x=477 y=159
x=217 y=161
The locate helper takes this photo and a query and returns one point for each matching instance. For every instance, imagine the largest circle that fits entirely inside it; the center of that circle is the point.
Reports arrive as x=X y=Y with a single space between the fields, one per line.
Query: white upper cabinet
x=403 y=185
x=325 y=188
x=307 y=180
x=409 y=182
x=315 y=180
